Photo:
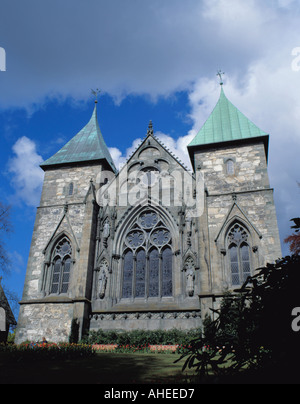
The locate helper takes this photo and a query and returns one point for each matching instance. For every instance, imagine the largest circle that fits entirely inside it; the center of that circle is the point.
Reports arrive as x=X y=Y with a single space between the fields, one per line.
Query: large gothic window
x=239 y=254
x=147 y=258
x=61 y=267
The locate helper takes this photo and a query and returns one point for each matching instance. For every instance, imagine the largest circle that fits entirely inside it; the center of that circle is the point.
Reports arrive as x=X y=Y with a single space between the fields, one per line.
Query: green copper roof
x=226 y=123
x=87 y=145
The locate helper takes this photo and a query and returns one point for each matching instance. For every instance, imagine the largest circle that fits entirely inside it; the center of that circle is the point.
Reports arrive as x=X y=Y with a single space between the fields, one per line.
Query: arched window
x=230 y=167
x=61 y=267
x=71 y=189
x=167 y=258
x=239 y=254
x=154 y=273
x=147 y=258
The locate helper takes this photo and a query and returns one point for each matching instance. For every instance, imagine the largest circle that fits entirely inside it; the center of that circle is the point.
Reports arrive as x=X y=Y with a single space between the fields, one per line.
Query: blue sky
x=152 y=59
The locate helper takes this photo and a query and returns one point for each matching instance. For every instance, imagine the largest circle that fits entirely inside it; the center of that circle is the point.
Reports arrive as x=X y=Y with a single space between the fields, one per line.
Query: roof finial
x=150 y=129
x=220 y=73
x=96 y=92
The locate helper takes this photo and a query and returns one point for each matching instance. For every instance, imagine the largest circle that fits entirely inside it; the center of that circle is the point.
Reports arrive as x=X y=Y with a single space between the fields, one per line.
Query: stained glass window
x=128 y=274
x=148 y=219
x=235 y=273
x=135 y=238
x=154 y=273
x=167 y=272
x=239 y=255
x=160 y=237
x=140 y=274
x=148 y=258
x=61 y=267
x=56 y=275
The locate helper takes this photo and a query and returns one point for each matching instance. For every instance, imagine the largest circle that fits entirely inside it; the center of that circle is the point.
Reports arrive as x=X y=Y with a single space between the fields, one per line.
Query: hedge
x=41 y=351
x=141 y=337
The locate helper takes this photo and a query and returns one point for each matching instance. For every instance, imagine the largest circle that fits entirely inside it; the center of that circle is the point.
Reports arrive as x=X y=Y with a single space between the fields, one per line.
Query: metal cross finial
x=220 y=73
x=96 y=92
x=150 y=129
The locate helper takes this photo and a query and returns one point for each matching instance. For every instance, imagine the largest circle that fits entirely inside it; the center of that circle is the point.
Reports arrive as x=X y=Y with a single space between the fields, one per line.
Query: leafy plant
x=253 y=328
x=141 y=337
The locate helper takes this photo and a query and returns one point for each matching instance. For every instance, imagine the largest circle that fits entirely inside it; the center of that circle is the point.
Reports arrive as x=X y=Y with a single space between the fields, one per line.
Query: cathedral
x=152 y=245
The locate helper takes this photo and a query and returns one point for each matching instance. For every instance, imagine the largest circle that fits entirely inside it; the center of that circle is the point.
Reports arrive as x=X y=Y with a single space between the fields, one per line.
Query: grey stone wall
x=244 y=196
x=59 y=213
x=198 y=242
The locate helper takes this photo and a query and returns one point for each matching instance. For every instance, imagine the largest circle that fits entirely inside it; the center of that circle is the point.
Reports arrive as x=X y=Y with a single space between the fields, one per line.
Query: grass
x=103 y=368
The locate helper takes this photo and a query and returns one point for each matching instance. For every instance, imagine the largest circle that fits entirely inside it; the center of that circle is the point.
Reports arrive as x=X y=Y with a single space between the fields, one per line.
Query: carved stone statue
x=190 y=276
x=106 y=229
x=103 y=278
x=106 y=232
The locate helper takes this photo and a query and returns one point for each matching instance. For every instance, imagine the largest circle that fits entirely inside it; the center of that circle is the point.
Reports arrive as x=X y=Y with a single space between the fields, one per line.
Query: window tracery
x=61 y=266
x=147 y=258
x=239 y=254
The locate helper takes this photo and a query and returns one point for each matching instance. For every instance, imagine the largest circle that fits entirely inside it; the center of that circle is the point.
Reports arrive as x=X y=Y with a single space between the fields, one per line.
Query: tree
x=294 y=239
x=253 y=329
x=5 y=227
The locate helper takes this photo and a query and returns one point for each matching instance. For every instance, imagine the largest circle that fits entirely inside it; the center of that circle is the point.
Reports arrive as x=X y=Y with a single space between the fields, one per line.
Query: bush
x=42 y=351
x=253 y=329
x=140 y=338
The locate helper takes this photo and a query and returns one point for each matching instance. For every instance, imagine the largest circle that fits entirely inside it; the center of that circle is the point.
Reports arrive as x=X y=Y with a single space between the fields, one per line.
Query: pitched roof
x=87 y=145
x=150 y=134
x=10 y=318
x=226 y=123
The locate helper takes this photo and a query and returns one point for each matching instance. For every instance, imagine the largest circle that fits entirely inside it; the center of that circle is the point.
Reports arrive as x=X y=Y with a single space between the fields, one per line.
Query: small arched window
x=61 y=267
x=230 y=167
x=239 y=254
x=71 y=189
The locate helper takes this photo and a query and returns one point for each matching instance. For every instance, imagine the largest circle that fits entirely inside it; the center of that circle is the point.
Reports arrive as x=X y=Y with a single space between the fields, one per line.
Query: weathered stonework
x=95 y=258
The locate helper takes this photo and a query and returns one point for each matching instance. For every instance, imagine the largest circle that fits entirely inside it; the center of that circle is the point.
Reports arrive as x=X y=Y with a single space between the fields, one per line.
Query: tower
x=153 y=245
x=242 y=230
x=60 y=265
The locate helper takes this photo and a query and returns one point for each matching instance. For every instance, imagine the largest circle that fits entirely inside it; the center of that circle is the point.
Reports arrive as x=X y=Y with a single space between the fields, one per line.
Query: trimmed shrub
x=141 y=337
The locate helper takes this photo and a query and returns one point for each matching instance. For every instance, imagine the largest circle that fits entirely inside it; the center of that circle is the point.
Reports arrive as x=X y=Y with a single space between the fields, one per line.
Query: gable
x=152 y=171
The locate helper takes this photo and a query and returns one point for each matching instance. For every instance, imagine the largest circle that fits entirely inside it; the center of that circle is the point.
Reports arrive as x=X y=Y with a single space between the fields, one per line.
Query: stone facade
x=152 y=246
x=242 y=196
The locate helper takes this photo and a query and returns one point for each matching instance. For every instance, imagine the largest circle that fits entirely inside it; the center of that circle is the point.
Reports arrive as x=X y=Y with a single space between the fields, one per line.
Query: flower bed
x=39 y=351
x=104 y=347
x=163 y=348
x=135 y=348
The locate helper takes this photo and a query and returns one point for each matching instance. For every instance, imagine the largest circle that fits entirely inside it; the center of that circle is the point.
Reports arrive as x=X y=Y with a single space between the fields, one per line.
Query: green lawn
x=103 y=368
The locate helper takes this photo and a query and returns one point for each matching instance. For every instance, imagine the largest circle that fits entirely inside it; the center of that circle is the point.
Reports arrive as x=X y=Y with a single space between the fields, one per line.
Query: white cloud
x=27 y=176
x=156 y=48
x=177 y=146
x=120 y=159
x=270 y=98
x=134 y=47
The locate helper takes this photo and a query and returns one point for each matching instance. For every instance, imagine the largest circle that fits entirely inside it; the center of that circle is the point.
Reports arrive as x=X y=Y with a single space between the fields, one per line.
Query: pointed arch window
x=147 y=258
x=239 y=254
x=61 y=267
